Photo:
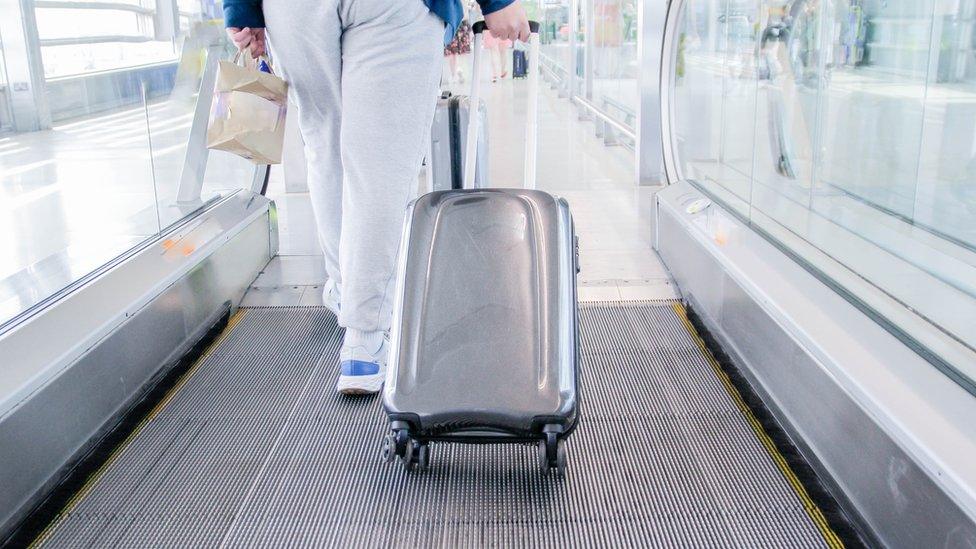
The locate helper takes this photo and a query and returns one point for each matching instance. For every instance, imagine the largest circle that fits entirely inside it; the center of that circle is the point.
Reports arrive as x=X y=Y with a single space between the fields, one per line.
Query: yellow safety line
x=811 y=508
x=93 y=479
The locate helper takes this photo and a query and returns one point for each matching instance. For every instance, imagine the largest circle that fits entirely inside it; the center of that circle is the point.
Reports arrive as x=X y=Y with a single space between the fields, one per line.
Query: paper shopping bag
x=247 y=116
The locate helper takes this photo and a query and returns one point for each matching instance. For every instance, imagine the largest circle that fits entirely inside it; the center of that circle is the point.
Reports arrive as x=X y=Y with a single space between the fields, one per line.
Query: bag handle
x=531 y=131
x=263 y=57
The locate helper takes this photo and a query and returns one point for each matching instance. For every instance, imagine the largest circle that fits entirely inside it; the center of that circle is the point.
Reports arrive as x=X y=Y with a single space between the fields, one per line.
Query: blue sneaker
x=362 y=362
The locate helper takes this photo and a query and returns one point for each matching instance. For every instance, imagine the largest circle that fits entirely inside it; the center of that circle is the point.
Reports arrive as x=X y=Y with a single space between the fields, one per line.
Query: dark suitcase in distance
x=520 y=64
x=448 y=137
x=484 y=339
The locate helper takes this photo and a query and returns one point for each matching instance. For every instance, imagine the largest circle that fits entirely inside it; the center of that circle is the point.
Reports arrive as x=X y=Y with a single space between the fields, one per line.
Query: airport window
x=99 y=36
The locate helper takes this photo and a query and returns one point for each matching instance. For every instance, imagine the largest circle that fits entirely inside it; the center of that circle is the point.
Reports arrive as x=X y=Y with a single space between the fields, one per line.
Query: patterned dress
x=461 y=43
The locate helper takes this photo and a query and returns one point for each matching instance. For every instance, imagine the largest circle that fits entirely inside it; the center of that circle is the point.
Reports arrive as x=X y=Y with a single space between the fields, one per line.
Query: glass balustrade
x=846 y=131
x=99 y=134
x=613 y=46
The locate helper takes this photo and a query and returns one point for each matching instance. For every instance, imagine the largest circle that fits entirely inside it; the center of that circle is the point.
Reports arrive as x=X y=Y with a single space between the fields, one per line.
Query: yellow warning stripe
x=93 y=478
x=816 y=515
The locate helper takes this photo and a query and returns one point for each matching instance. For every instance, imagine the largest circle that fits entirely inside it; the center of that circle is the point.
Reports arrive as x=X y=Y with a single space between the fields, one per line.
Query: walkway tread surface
x=255 y=449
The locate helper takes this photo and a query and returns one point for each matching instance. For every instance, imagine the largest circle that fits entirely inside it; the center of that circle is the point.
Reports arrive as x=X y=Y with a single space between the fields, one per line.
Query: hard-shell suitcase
x=484 y=341
x=448 y=137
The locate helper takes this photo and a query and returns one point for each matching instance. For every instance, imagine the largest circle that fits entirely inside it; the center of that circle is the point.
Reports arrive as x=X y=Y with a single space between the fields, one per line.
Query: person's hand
x=509 y=23
x=247 y=37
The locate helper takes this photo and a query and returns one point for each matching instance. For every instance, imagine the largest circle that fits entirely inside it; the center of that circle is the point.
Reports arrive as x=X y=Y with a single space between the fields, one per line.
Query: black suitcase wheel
x=400 y=439
x=552 y=454
x=389 y=448
x=409 y=457
x=543 y=457
x=423 y=457
x=561 y=459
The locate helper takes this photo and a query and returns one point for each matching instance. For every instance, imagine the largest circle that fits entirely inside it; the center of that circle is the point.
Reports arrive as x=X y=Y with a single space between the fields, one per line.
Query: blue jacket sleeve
x=243 y=13
x=490 y=6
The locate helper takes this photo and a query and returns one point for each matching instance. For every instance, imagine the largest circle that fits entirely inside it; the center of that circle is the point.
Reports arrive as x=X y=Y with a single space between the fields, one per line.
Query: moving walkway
x=252 y=447
x=151 y=404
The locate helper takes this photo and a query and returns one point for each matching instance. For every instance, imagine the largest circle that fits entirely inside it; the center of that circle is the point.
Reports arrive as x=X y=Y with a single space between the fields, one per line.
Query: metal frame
x=197 y=154
x=671 y=169
x=95 y=40
x=112 y=6
x=891 y=436
x=84 y=357
x=24 y=65
x=651 y=17
x=604 y=117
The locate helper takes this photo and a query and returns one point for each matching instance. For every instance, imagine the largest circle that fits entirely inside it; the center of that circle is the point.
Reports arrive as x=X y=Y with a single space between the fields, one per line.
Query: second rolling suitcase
x=448 y=139
x=484 y=339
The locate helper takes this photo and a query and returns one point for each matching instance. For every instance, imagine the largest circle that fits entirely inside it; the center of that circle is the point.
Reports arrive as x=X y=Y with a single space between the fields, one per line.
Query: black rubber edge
x=454 y=139
x=837 y=516
x=267 y=179
x=76 y=474
x=480 y=26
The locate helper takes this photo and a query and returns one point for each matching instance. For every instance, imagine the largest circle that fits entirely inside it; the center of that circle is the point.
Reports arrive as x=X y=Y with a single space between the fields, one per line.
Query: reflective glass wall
x=846 y=131
x=589 y=50
x=98 y=112
x=613 y=47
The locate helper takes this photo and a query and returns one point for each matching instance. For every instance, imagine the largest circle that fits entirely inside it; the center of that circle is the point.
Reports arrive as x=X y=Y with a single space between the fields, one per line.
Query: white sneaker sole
x=360 y=385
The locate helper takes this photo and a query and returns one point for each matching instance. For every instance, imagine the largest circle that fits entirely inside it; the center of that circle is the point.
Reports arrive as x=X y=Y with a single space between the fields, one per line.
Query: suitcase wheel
x=408 y=456
x=552 y=454
x=423 y=457
x=389 y=448
x=412 y=453
x=417 y=455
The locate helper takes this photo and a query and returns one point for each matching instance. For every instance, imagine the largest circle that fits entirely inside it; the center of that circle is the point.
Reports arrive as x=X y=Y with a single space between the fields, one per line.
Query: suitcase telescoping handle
x=531 y=132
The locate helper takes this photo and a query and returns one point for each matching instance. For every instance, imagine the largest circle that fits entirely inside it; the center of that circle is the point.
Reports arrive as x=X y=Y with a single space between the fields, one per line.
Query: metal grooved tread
x=256 y=449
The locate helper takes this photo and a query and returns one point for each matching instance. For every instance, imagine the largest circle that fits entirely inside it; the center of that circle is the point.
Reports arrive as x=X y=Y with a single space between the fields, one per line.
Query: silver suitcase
x=448 y=137
x=484 y=342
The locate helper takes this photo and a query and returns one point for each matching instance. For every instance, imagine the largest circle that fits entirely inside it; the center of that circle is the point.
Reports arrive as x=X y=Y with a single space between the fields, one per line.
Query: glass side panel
x=614 y=50
x=93 y=161
x=698 y=99
x=554 y=20
x=581 y=38
x=846 y=131
x=72 y=198
x=739 y=24
x=6 y=119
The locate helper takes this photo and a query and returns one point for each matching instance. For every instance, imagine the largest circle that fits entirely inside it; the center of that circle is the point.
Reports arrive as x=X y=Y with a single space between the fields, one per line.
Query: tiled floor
x=612 y=214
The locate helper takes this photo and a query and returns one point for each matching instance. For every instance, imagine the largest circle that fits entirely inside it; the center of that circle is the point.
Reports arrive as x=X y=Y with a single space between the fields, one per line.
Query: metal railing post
x=195 y=159
x=651 y=16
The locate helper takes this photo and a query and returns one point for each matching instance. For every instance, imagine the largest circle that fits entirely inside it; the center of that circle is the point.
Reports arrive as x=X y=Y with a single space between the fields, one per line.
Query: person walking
x=497 y=46
x=460 y=45
x=364 y=76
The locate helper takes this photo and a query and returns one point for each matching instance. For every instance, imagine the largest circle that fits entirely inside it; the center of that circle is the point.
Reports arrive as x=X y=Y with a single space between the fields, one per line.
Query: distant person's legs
x=493 y=55
x=452 y=62
x=365 y=76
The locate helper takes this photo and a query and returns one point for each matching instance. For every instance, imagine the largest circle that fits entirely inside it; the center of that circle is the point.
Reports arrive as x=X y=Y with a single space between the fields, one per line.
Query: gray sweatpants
x=364 y=75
